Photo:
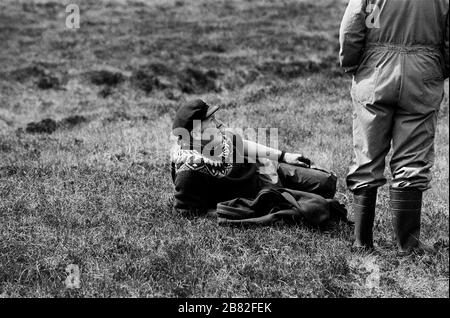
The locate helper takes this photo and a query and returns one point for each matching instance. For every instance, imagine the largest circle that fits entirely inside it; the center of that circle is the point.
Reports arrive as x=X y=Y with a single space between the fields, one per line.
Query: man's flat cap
x=193 y=110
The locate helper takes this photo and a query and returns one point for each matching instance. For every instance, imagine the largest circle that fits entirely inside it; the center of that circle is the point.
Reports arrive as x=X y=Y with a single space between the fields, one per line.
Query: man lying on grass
x=210 y=164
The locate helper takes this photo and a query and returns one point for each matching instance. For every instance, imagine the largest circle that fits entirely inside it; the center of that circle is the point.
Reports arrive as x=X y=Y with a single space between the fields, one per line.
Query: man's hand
x=297 y=160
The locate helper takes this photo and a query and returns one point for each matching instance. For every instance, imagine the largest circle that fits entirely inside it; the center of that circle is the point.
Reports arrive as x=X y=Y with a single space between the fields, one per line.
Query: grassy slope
x=99 y=194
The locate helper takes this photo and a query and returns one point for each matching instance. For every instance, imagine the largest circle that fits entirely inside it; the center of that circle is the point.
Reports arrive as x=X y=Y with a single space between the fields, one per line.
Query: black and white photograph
x=224 y=154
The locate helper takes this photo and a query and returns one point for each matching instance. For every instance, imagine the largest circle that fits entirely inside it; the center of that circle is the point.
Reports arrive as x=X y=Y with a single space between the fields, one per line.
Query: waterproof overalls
x=398 y=54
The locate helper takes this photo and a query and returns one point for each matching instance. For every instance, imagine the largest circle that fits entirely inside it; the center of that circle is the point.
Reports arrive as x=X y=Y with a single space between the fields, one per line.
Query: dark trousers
x=310 y=180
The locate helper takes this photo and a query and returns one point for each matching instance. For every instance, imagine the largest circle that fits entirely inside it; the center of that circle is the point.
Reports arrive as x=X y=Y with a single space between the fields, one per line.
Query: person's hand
x=297 y=160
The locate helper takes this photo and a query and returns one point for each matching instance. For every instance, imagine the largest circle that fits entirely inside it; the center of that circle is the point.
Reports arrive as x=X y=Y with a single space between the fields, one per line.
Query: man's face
x=211 y=135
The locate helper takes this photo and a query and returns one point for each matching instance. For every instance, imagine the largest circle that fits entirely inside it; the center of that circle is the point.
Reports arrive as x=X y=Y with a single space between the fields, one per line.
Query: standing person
x=398 y=54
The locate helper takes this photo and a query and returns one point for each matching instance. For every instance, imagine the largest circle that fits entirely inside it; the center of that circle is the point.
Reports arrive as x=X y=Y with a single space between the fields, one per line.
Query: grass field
x=91 y=185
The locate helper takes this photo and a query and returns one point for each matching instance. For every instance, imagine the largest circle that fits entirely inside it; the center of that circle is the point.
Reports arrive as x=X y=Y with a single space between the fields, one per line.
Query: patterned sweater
x=197 y=189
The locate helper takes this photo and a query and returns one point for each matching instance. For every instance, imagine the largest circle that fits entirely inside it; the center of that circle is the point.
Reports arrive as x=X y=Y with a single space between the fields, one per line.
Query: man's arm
x=253 y=151
x=352 y=35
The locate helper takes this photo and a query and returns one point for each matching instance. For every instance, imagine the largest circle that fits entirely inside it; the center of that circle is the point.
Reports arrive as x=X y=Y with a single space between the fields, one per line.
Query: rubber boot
x=406 y=205
x=364 y=201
